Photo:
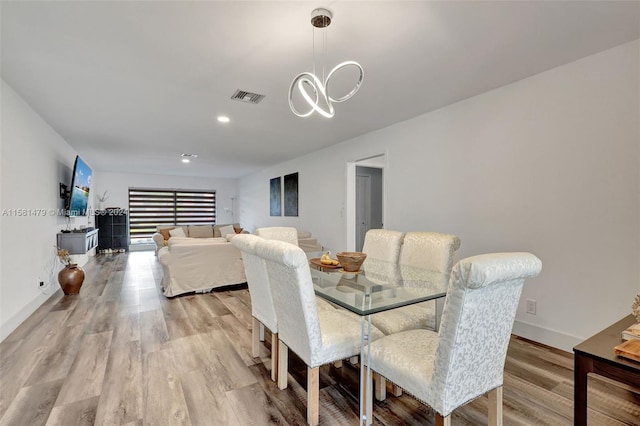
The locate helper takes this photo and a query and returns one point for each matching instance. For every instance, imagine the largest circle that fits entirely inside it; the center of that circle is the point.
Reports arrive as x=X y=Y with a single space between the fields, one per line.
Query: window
x=149 y=208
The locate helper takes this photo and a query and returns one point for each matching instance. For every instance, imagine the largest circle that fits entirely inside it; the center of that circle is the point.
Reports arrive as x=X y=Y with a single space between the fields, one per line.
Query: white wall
x=34 y=160
x=548 y=165
x=117 y=187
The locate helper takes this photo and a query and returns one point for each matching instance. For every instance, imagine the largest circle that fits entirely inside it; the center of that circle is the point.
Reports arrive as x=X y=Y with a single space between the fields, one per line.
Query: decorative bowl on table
x=351 y=261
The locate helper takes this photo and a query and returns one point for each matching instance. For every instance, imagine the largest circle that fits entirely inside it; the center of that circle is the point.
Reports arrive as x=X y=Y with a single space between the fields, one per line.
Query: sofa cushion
x=178 y=232
x=227 y=230
x=201 y=231
x=165 y=232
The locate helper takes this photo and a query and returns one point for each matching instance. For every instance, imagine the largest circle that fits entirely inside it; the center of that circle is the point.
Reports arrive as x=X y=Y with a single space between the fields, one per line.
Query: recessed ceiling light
x=186 y=158
x=223 y=119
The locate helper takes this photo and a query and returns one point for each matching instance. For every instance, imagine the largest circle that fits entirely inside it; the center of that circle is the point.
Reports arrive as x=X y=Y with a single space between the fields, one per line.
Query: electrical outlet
x=531 y=306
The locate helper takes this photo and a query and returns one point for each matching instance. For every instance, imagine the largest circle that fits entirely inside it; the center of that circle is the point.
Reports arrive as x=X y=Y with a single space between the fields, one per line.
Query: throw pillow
x=226 y=230
x=165 y=232
x=201 y=231
x=238 y=230
x=178 y=232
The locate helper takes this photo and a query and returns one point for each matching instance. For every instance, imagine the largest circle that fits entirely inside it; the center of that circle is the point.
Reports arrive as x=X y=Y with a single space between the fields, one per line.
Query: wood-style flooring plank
x=87 y=372
x=173 y=308
x=191 y=353
x=15 y=371
x=82 y=312
x=179 y=327
x=7 y=348
x=240 y=338
x=65 y=303
x=34 y=321
x=32 y=405
x=206 y=398
x=56 y=362
x=164 y=401
x=202 y=319
x=338 y=409
x=213 y=305
x=253 y=407
x=291 y=402
x=122 y=391
x=80 y=413
x=237 y=306
x=126 y=327
x=231 y=369
x=149 y=300
x=104 y=317
x=153 y=331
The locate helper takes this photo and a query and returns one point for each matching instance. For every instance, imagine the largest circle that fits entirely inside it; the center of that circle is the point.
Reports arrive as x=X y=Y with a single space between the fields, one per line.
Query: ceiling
x=131 y=85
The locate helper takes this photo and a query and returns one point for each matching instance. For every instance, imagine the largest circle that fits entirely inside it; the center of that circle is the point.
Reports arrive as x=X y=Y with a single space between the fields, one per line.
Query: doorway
x=365 y=199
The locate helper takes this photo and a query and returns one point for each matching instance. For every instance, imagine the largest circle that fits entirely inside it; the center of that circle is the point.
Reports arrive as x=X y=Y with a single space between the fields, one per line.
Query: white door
x=354 y=237
x=363 y=209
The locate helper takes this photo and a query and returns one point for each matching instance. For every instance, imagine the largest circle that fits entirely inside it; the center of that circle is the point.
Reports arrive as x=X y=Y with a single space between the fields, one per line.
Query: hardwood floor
x=120 y=353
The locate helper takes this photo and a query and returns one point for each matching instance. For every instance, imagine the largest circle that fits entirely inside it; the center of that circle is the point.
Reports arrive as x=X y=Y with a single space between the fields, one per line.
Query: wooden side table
x=595 y=355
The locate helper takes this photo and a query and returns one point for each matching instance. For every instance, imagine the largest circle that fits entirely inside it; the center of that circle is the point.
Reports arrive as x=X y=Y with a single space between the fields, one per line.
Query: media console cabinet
x=78 y=242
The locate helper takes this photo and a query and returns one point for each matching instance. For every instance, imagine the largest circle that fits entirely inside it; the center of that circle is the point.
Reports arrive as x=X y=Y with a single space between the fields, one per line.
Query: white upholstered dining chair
x=425 y=260
x=465 y=359
x=262 y=310
x=281 y=233
x=317 y=336
x=382 y=247
x=289 y=235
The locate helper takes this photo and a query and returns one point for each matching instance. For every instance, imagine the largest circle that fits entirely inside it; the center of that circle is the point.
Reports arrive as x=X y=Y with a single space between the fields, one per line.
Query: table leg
x=365 y=373
x=362 y=368
x=582 y=367
x=369 y=389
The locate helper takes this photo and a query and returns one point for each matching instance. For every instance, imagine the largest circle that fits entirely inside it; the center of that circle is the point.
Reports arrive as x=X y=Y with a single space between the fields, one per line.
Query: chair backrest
x=382 y=247
x=426 y=259
x=255 y=269
x=293 y=296
x=281 y=233
x=478 y=317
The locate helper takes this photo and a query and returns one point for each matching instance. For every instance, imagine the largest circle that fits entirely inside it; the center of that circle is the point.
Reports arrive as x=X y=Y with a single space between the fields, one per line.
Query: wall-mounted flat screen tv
x=78 y=200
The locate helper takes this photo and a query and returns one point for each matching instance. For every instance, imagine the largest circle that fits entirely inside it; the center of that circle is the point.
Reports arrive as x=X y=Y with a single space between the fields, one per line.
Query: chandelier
x=314 y=90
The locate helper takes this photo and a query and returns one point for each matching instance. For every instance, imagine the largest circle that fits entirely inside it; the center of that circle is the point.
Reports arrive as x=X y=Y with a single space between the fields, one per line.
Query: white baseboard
x=12 y=323
x=546 y=336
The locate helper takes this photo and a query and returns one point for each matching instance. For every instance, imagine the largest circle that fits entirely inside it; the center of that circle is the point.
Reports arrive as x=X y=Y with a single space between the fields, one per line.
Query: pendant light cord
x=324 y=46
x=313 y=41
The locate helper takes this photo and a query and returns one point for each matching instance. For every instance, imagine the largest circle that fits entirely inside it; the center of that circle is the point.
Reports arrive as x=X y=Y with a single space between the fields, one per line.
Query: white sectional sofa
x=162 y=237
x=199 y=265
x=204 y=259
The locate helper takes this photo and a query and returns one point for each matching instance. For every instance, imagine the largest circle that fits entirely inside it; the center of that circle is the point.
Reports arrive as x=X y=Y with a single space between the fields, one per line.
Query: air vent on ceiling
x=252 y=98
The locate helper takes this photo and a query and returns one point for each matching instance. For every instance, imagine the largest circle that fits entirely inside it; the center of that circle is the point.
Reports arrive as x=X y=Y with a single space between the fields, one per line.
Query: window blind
x=149 y=208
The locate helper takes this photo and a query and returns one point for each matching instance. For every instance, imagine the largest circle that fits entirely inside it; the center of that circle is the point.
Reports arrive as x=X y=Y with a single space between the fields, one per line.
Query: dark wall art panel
x=275 y=196
x=291 y=194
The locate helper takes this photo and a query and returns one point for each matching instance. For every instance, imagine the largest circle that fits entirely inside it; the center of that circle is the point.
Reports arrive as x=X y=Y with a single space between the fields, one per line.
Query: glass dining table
x=367 y=294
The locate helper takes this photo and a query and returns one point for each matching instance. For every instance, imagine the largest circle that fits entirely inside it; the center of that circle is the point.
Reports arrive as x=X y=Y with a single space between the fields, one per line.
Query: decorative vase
x=71 y=278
